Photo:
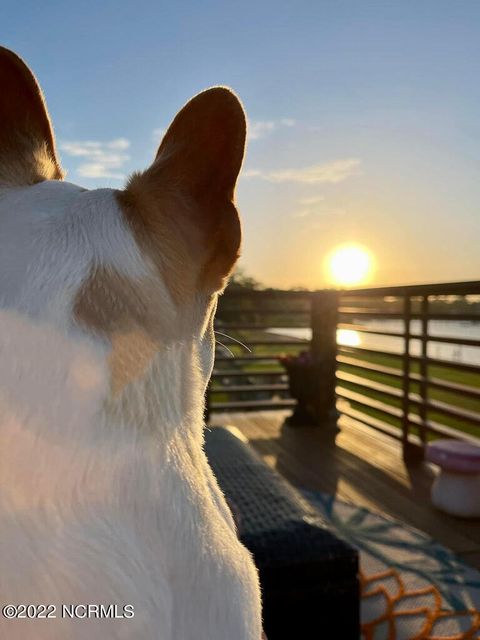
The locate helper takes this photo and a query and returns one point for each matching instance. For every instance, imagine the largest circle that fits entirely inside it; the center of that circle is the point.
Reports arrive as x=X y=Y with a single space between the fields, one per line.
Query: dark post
x=323 y=347
x=424 y=311
x=411 y=451
x=407 y=312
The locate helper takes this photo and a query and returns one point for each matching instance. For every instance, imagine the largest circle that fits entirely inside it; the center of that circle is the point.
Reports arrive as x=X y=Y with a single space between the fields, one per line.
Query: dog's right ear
x=27 y=144
x=182 y=207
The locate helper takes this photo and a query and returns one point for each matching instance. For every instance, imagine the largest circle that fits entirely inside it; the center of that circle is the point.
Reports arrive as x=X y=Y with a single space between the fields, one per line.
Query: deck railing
x=406 y=360
x=249 y=376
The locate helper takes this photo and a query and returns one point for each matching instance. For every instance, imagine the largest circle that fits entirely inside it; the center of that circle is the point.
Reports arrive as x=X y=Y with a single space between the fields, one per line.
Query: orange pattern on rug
x=412 y=587
x=371 y=586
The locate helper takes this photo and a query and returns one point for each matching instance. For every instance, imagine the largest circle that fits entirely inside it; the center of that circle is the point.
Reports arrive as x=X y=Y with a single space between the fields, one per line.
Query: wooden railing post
x=407 y=312
x=411 y=450
x=424 y=311
x=324 y=319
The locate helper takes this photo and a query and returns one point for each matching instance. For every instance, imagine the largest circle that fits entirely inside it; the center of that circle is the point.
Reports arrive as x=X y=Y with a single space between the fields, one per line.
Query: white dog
x=106 y=344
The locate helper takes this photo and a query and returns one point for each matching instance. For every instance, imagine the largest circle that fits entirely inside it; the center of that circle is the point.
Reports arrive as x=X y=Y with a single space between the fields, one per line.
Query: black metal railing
x=408 y=389
x=248 y=376
x=406 y=360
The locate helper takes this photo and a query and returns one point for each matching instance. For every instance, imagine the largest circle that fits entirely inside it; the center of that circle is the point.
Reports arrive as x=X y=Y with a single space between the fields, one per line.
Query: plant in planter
x=307 y=378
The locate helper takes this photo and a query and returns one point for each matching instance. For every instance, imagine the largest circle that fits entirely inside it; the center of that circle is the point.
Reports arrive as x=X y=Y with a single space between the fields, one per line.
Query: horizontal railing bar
x=432 y=405
x=442 y=288
x=359 y=398
x=434 y=289
x=373 y=313
x=363 y=329
x=249 y=388
x=439 y=429
x=246 y=358
x=262 y=293
x=449 y=364
x=463 y=317
x=414 y=398
x=252 y=405
x=242 y=311
x=432 y=426
x=454 y=412
x=378 y=352
x=258 y=343
x=379 y=387
x=398 y=315
x=345 y=409
x=460 y=341
x=386 y=389
x=445 y=431
x=454 y=387
x=413 y=336
x=260 y=327
x=382 y=407
x=232 y=373
x=376 y=368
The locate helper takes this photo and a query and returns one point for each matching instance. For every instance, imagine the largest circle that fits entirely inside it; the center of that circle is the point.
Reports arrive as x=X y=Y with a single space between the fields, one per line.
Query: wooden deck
x=360 y=465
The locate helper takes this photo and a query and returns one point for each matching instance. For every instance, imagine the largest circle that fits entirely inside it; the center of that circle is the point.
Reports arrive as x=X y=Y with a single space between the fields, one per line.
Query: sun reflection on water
x=348 y=338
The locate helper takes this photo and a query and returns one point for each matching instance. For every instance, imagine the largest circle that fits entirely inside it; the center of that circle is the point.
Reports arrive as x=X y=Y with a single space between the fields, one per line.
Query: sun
x=349 y=265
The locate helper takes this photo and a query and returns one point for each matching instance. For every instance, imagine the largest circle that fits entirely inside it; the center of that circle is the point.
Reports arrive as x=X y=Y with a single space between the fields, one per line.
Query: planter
x=307 y=386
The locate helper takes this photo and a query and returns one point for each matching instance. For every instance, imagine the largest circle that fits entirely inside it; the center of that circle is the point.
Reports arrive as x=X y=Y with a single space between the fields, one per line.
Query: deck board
x=359 y=465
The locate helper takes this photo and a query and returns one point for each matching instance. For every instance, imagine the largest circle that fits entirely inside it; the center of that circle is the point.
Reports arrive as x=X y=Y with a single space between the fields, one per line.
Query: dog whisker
x=229 y=351
x=242 y=344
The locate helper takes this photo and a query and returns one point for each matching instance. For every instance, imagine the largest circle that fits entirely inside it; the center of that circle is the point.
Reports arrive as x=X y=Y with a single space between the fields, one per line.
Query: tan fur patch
x=132 y=353
x=109 y=302
x=129 y=313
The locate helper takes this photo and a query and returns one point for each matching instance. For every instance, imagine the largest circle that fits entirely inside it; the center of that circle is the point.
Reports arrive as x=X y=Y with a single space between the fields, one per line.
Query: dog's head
x=139 y=267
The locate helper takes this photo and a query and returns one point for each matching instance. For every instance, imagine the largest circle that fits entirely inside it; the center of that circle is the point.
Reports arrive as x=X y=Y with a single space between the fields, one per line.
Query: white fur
x=104 y=500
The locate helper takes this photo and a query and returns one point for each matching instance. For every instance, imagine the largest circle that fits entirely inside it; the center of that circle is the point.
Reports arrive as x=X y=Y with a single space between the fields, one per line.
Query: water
x=440 y=328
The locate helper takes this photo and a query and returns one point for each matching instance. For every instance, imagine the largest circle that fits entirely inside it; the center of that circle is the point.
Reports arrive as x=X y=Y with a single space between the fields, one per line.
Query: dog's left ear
x=27 y=145
x=189 y=189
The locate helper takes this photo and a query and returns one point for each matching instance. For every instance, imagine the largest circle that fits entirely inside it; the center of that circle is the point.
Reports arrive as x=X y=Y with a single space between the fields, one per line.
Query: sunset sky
x=364 y=117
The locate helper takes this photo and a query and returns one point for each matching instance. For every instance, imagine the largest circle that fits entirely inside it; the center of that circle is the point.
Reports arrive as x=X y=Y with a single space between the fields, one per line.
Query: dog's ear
x=27 y=145
x=203 y=148
x=192 y=183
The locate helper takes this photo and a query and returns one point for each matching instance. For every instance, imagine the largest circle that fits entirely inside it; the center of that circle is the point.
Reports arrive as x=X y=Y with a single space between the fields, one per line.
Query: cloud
x=310 y=206
x=257 y=129
x=323 y=214
x=98 y=159
x=260 y=128
x=316 y=208
x=252 y=173
x=312 y=200
x=327 y=173
x=302 y=213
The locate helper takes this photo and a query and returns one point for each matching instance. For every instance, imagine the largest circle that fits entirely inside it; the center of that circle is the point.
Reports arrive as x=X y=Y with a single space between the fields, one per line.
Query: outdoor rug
x=411 y=586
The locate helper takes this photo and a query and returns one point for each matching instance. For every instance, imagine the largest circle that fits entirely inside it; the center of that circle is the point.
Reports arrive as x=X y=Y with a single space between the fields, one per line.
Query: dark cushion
x=308 y=575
